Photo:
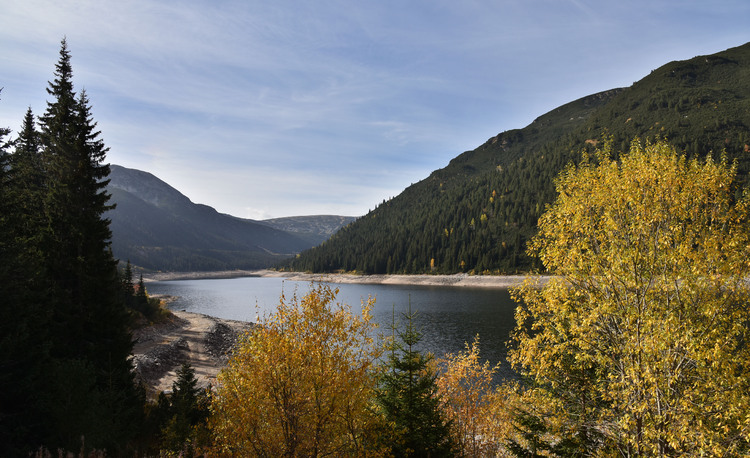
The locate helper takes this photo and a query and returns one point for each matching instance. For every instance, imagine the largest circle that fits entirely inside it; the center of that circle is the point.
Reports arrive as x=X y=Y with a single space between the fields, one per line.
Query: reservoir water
x=448 y=317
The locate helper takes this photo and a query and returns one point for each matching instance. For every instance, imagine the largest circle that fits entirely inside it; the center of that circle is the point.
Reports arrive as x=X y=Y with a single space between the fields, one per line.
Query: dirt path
x=201 y=340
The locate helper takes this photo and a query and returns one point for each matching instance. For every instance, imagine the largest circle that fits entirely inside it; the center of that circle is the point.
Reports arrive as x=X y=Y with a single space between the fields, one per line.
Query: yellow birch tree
x=642 y=337
x=300 y=384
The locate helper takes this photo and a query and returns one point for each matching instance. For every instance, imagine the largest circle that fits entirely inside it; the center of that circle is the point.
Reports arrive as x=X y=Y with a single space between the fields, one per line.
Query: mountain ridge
x=156 y=227
x=476 y=214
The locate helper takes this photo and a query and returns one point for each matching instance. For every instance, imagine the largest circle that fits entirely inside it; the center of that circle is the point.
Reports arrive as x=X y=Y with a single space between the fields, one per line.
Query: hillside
x=158 y=228
x=476 y=214
x=316 y=229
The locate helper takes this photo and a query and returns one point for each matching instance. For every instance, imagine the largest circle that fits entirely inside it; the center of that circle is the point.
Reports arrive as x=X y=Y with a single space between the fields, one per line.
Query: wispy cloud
x=277 y=108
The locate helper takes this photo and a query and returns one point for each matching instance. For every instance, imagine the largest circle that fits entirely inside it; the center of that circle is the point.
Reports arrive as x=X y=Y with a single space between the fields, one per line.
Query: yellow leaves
x=654 y=202
x=477 y=413
x=300 y=383
x=653 y=253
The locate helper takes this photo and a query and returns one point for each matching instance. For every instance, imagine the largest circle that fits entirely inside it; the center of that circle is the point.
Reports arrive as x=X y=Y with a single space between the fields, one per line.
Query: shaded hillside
x=158 y=228
x=477 y=213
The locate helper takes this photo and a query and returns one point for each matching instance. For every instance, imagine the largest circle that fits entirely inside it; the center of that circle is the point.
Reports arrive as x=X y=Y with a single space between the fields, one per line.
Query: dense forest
x=65 y=339
x=476 y=214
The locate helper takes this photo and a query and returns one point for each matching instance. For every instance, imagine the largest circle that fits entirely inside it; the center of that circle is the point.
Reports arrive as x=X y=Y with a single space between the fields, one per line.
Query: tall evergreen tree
x=407 y=397
x=4 y=146
x=188 y=413
x=23 y=316
x=127 y=280
x=90 y=337
x=27 y=180
x=4 y=161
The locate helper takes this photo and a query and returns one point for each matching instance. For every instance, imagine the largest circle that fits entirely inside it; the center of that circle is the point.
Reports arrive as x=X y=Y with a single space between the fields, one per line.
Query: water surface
x=448 y=317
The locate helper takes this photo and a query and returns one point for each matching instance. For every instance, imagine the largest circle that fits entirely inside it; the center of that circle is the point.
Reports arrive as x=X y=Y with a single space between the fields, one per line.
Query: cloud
x=334 y=105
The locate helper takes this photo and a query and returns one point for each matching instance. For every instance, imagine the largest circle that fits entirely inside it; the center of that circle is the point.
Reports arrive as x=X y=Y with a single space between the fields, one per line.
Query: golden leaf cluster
x=300 y=384
x=643 y=336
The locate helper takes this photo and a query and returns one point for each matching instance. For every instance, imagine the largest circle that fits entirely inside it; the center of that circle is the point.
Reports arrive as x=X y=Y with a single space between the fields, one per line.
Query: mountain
x=315 y=229
x=158 y=228
x=476 y=214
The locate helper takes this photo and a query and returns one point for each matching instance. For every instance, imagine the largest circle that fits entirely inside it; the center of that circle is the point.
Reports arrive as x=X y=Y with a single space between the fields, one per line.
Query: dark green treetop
x=407 y=398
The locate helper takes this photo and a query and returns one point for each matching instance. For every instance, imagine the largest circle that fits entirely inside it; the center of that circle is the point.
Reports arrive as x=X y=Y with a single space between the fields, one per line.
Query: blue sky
x=278 y=108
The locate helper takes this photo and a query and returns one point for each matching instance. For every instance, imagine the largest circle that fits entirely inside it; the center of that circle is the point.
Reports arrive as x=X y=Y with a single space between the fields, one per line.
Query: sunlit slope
x=476 y=214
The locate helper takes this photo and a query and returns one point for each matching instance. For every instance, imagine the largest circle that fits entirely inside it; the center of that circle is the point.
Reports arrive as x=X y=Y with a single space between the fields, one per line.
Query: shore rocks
x=203 y=341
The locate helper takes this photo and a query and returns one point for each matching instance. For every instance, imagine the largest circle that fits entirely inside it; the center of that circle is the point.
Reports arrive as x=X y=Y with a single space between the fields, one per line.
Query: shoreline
x=455 y=280
x=206 y=342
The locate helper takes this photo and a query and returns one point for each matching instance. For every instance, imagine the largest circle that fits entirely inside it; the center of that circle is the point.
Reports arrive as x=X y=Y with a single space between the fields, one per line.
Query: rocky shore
x=201 y=340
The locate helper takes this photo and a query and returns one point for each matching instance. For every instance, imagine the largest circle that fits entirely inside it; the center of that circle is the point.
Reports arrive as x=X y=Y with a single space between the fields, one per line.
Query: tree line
x=65 y=342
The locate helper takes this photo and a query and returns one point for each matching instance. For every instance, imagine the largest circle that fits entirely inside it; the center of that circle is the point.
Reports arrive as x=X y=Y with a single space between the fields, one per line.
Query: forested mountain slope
x=476 y=214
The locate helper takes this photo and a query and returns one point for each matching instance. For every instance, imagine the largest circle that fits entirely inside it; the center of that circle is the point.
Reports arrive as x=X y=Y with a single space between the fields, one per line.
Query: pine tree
x=407 y=397
x=141 y=293
x=90 y=324
x=142 y=302
x=27 y=182
x=4 y=188
x=127 y=280
x=24 y=319
x=188 y=412
x=4 y=164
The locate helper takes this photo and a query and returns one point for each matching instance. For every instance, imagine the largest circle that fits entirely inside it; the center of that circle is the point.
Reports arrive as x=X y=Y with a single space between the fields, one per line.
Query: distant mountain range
x=315 y=229
x=158 y=228
x=476 y=214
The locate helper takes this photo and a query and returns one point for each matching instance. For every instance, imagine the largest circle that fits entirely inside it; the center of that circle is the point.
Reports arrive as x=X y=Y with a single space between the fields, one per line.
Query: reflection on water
x=448 y=317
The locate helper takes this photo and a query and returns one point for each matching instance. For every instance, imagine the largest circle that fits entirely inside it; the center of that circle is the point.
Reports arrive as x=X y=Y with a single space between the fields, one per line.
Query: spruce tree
x=188 y=410
x=4 y=162
x=4 y=183
x=407 y=398
x=90 y=338
x=27 y=181
x=142 y=303
x=127 y=280
x=24 y=318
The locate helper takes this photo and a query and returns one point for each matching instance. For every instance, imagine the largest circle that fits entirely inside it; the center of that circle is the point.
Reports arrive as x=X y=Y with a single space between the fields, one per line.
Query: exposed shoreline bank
x=459 y=280
x=203 y=341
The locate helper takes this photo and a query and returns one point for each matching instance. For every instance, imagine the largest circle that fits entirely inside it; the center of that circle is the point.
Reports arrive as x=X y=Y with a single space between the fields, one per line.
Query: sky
x=265 y=109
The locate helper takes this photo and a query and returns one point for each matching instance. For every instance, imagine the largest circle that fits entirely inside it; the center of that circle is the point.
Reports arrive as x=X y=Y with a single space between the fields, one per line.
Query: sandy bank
x=463 y=280
x=201 y=340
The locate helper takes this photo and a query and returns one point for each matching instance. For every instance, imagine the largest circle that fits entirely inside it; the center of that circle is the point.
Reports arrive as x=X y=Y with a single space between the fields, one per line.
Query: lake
x=447 y=316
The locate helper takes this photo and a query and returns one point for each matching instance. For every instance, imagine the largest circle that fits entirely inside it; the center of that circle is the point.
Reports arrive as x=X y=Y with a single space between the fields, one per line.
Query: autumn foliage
x=477 y=412
x=636 y=347
x=639 y=347
x=300 y=384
